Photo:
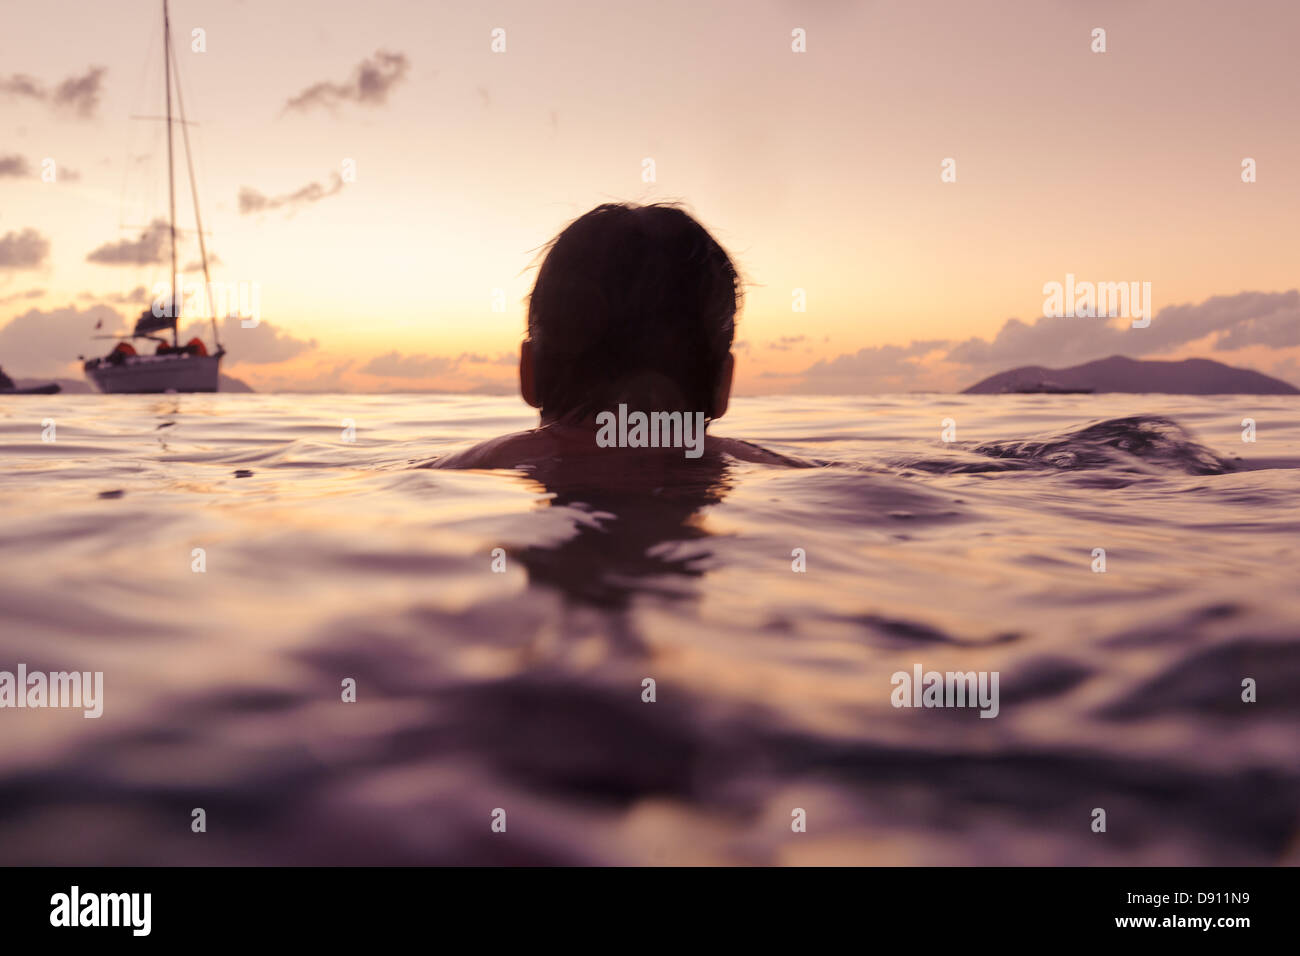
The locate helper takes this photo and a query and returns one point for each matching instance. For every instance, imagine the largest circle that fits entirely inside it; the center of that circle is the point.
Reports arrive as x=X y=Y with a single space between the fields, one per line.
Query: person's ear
x=722 y=394
x=527 y=380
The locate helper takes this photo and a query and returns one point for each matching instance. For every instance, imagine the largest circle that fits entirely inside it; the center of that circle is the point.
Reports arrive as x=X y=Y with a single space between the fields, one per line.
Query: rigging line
x=194 y=193
x=129 y=167
x=171 y=183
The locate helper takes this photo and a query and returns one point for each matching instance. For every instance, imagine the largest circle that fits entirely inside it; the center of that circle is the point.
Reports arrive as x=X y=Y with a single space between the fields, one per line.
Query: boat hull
x=138 y=374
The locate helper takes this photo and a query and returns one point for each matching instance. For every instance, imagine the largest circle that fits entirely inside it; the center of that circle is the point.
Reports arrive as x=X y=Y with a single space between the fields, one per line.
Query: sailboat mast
x=171 y=178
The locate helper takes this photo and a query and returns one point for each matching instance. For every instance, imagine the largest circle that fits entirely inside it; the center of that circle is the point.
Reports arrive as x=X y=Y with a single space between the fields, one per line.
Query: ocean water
x=520 y=689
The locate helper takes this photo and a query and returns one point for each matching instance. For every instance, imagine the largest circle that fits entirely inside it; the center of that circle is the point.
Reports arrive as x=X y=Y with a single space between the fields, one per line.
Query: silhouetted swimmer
x=628 y=355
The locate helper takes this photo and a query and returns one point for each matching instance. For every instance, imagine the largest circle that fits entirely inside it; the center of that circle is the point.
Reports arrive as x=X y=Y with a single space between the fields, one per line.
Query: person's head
x=632 y=304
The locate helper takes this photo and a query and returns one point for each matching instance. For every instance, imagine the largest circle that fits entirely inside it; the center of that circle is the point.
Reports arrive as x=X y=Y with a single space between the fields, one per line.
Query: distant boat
x=7 y=387
x=51 y=389
x=173 y=367
x=1045 y=388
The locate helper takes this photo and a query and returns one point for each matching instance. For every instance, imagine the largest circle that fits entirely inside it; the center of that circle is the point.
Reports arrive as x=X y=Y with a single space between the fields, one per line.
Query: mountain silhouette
x=1118 y=373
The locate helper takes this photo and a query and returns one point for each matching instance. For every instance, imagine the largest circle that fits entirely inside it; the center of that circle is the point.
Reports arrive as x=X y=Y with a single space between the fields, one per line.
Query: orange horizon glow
x=818 y=171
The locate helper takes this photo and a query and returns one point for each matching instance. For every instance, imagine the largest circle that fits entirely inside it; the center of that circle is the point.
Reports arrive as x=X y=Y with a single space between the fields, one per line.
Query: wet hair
x=633 y=304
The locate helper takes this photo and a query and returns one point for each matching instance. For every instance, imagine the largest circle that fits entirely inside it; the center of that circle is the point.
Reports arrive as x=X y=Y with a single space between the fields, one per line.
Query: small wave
x=1142 y=444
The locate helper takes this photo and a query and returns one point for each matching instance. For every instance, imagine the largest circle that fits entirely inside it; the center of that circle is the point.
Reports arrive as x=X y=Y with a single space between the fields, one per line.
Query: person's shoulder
x=527 y=448
x=504 y=451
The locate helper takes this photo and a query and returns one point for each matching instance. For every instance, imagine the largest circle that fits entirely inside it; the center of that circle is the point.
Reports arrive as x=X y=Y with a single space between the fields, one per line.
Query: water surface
x=522 y=689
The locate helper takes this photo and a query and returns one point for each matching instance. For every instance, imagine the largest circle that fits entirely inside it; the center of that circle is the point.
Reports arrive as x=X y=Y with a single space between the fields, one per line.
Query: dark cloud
x=20 y=84
x=17 y=167
x=77 y=94
x=1276 y=324
x=149 y=249
x=252 y=201
x=369 y=85
x=14 y=166
x=23 y=250
x=81 y=93
x=262 y=344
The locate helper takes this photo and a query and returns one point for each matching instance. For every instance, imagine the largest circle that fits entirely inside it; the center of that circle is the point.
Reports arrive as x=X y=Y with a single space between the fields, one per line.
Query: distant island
x=77 y=386
x=1121 y=374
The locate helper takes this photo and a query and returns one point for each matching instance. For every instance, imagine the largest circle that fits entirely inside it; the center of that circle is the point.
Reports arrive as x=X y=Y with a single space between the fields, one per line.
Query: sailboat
x=172 y=367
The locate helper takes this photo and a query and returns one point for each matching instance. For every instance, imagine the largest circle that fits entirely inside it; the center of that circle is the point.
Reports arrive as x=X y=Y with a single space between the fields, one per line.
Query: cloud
x=785 y=342
x=484 y=387
x=396 y=365
x=77 y=94
x=252 y=201
x=369 y=85
x=23 y=250
x=325 y=374
x=1276 y=323
x=14 y=166
x=20 y=84
x=1287 y=370
x=482 y=358
x=1243 y=319
x=16 y=296
x=81 y=93
x=260 y=345
x=149 y=249
x=879 y=368
x=197 y=264
x=17 y=167
x=47 y=343
x=1222 y=323
x=137 y=296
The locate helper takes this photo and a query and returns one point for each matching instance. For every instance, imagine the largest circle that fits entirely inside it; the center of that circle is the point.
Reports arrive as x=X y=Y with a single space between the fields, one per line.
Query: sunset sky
x=817 y=170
